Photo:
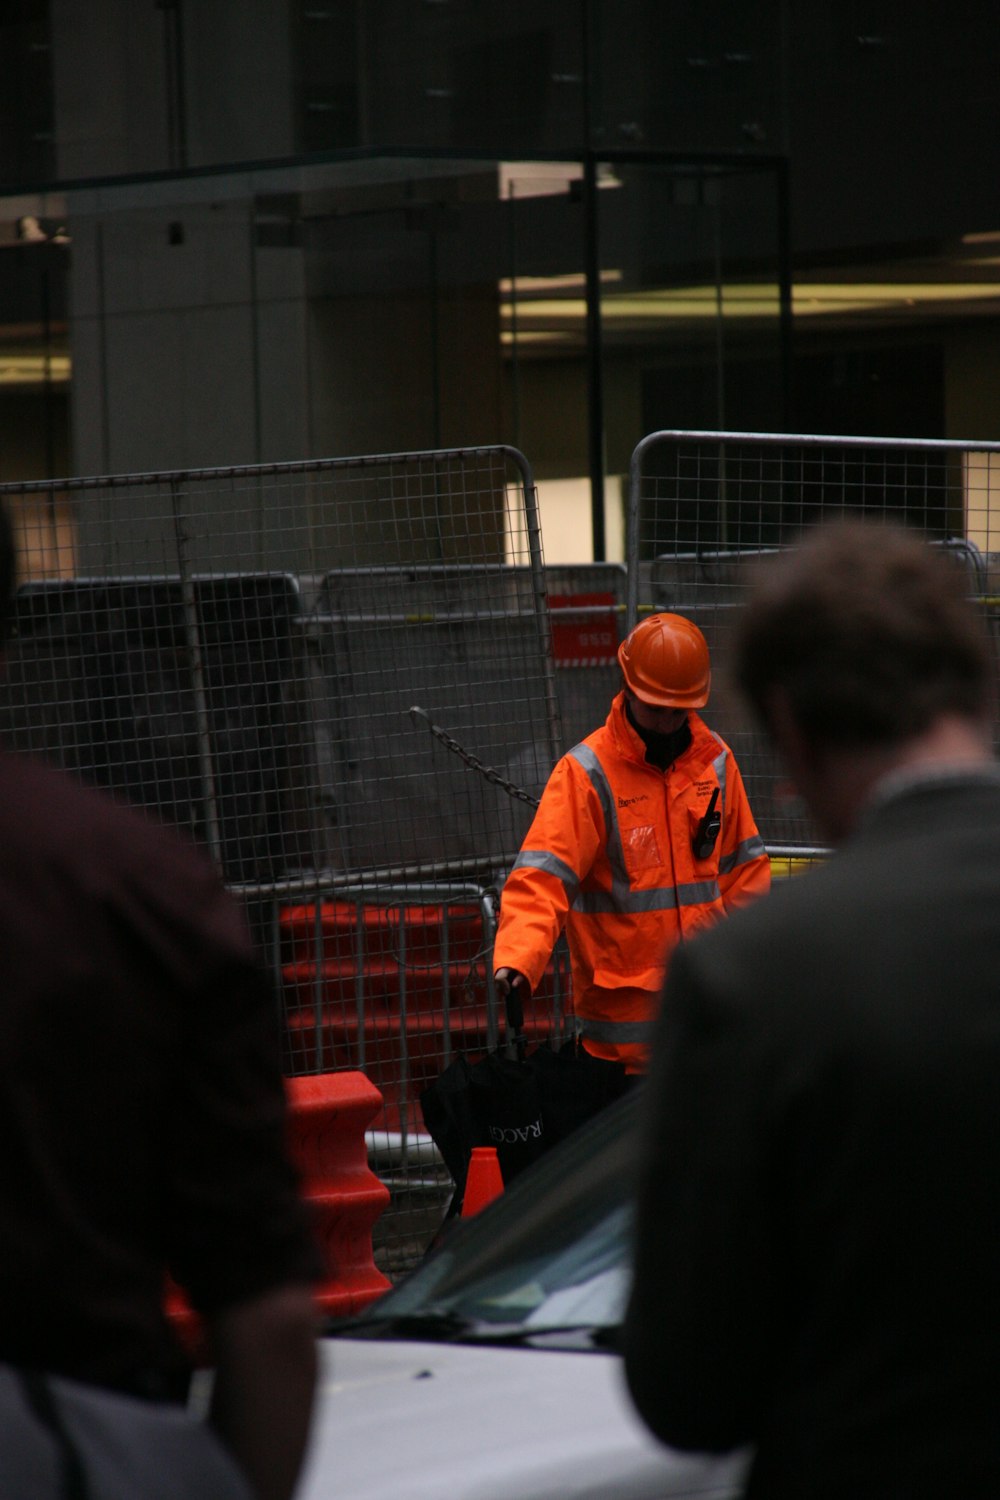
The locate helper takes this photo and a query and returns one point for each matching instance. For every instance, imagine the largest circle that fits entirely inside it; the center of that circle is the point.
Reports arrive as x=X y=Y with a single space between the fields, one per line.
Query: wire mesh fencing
x=258 y=656
x=703 y=504
x=350 y=679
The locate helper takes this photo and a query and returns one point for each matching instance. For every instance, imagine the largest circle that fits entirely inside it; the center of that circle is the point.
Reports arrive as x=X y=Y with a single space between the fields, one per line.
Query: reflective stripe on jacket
x=609 y=856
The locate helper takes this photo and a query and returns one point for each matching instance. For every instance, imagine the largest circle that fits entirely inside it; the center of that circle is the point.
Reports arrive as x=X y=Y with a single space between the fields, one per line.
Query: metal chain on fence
x=472 y=761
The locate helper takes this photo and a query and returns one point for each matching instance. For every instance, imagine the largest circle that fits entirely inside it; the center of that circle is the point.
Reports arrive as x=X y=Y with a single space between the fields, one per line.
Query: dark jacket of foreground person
x=819 y=1206
x=827 y=1238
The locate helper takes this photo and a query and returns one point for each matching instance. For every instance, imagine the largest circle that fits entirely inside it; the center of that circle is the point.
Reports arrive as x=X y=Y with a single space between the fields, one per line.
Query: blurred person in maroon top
x=142 y=1114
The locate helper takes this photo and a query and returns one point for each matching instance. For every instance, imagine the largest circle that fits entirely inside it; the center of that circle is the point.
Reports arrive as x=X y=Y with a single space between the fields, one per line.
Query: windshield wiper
x=564 y=1336
x=441 y=1325
x=436 y=1324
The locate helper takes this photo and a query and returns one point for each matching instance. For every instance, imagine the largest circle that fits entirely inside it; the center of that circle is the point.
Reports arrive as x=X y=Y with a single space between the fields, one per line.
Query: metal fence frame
x=701 y=503
x=166 y=524
x=769 y=442
x=568 y=619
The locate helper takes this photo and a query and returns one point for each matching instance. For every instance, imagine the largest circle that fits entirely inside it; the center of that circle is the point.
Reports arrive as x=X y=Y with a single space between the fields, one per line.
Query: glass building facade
x=237 y=233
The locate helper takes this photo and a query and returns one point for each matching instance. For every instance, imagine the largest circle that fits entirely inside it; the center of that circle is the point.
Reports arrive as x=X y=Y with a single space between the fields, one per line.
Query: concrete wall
x=188 y=340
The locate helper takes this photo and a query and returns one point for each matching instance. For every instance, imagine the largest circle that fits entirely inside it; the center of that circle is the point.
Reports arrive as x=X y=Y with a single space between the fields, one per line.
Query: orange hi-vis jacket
x=610 y=857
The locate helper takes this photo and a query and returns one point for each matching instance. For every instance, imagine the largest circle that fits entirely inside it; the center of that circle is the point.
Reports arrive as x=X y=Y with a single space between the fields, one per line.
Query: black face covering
x=661 y=749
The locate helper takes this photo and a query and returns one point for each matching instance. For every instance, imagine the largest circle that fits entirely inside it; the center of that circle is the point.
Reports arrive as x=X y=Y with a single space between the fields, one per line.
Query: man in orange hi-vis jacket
x=643 y=837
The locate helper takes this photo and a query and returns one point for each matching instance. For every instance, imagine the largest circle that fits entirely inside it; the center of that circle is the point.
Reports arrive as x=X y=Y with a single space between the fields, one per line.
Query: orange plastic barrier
x=328 y=1114
x=431 y=950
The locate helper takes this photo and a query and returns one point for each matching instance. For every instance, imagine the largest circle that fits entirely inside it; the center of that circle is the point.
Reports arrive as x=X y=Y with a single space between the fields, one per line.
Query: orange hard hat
x=665 y=661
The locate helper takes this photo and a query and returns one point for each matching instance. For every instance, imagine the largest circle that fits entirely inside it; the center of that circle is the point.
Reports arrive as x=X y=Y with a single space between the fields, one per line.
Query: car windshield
x=549 y=1262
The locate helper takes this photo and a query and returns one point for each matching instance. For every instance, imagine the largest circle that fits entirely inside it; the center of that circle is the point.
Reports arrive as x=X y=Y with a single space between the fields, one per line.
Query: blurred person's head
x=860 y=652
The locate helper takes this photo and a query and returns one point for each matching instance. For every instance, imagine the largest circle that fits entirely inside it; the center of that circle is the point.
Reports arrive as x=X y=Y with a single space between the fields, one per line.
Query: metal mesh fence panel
x=701 y=504
x=350 y=679
x=256 y=655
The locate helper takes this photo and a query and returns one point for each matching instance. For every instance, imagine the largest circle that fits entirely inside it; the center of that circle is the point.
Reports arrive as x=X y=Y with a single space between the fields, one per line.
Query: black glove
x=513 y=989
x=507 y=980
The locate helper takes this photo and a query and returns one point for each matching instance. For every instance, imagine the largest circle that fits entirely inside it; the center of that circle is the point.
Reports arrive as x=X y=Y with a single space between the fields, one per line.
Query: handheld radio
x=708 y=829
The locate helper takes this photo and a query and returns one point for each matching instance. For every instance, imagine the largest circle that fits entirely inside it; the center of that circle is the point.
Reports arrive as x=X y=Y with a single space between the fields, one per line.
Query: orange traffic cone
x=483 y=1182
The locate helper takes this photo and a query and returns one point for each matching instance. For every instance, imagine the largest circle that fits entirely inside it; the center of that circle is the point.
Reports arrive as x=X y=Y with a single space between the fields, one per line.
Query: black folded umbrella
x=492 y=1102
x=573 y=1085
x=522 y=1105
